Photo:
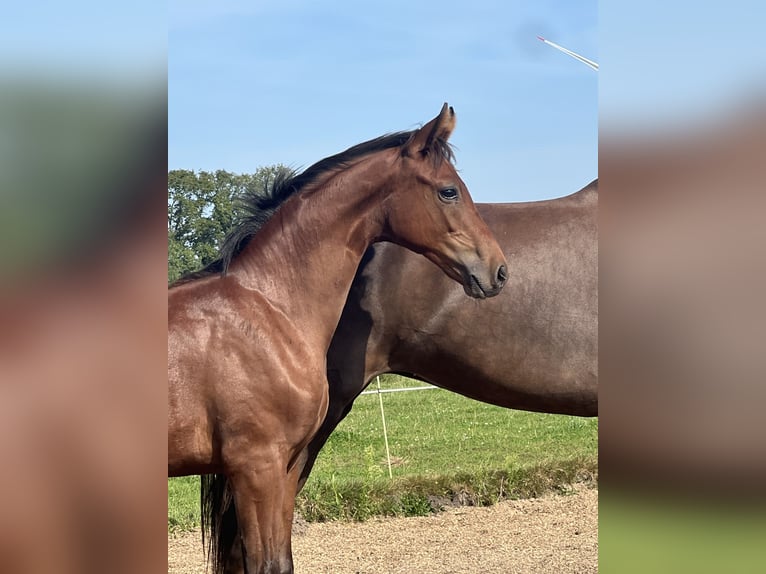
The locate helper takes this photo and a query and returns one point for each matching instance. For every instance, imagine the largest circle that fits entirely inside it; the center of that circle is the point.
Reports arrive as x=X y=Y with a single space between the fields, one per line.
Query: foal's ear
x=438 y=128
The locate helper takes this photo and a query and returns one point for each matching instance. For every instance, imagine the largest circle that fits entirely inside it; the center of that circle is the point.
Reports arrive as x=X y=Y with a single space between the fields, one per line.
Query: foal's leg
x=235 y=562
x=264 y=497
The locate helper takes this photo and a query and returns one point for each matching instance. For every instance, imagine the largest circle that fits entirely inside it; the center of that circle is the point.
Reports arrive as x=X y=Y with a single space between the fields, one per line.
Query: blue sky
x=669 y=65
x=84 y=40
x=292 y=81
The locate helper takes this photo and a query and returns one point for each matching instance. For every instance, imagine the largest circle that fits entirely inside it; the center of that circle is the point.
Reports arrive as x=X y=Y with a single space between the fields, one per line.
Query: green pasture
x=445 y=449
x=679 y=532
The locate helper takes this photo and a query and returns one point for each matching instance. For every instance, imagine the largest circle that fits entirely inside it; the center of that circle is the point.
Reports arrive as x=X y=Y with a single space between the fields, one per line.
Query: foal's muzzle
x=475 y=287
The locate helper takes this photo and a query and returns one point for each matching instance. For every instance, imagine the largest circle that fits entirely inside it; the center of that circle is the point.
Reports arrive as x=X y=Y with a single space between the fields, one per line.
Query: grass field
x=445 y=449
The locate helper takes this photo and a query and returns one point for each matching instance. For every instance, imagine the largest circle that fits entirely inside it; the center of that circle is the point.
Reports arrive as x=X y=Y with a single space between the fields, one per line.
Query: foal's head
x=429 y=210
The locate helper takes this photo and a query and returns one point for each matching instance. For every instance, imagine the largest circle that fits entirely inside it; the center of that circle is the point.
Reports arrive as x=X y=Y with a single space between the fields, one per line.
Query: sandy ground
x=549 y=534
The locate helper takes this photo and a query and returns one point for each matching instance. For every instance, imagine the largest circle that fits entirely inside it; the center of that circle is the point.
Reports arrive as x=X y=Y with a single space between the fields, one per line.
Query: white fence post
x=380 y=392
x=385 y=432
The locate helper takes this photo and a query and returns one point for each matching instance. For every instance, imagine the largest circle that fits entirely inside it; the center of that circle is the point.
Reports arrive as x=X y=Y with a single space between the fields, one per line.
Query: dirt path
x=550 y=534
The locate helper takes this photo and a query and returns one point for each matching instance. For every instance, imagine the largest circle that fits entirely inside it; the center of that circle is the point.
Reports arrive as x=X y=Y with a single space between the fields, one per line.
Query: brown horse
x=248 y=337
x=534 y=347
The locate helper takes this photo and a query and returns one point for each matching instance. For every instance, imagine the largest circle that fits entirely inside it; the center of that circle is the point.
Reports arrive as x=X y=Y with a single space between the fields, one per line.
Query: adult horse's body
x=533 y=347
x=248 y=338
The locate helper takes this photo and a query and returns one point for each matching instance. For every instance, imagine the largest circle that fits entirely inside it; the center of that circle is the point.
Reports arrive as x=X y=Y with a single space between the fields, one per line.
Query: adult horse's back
x=248 y=337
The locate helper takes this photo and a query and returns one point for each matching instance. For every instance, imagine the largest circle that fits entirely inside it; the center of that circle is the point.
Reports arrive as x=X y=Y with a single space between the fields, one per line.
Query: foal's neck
x=305 y=257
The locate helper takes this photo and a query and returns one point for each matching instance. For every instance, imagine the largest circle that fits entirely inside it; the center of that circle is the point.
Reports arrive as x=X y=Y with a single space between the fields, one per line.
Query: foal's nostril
x=502 y=274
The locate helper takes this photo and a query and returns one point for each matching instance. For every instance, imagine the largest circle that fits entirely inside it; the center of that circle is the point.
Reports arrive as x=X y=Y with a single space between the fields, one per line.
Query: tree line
x=202 y=207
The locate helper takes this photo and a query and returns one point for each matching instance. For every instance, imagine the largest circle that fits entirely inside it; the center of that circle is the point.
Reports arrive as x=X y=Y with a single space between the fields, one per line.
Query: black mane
x=257 y=207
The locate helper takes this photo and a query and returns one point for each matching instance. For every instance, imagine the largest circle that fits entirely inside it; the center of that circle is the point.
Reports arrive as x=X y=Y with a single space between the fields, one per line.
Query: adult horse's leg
x=264 y=497
x=346 y=376
x=336 y=412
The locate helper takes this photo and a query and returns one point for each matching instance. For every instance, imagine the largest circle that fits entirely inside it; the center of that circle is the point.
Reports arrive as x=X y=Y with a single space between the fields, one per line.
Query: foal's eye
x=448 y=194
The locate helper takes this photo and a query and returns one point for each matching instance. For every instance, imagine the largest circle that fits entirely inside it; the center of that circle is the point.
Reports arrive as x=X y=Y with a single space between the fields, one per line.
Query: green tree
x=201 y=209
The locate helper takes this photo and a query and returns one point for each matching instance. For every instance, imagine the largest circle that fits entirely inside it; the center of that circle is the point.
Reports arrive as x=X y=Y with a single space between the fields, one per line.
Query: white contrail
x=586 y=61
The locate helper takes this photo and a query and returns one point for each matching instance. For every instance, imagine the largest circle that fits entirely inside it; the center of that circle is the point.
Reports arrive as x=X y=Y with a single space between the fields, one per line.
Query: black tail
x=220 y=529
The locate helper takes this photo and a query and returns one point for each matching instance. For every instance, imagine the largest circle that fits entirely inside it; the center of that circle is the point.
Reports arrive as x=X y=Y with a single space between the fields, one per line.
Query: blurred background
x=682 y=142
x=83 y=166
